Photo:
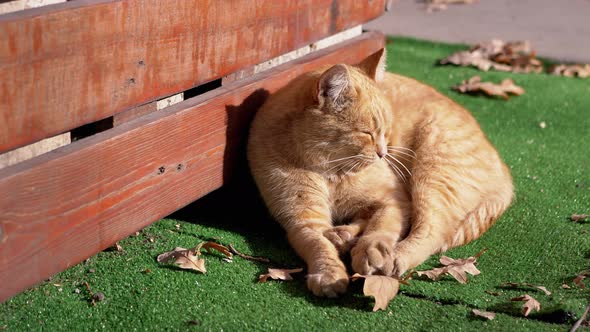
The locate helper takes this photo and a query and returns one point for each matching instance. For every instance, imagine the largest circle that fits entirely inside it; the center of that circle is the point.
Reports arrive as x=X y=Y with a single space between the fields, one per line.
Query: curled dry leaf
x=524 y=284
x=382 y=288
x=475 y=85
x=189 y=259
x=217 y=247
x=484 y=314
x=529 y=305
x=579 y=70
x=578 y=280
x=579 y=217
x=514 y=56
x=278 y=274
x=458 y=268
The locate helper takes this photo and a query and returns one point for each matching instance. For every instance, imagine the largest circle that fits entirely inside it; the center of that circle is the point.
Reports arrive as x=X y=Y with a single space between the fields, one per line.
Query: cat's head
x=348 y=125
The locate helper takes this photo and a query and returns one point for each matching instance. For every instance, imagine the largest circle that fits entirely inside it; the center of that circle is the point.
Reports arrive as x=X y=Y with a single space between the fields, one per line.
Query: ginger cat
x=352 y=156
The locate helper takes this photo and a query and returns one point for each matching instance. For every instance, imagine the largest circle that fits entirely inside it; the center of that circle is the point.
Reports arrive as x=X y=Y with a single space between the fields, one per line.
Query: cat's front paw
x=328 y=281
x=407 y=255
x=373 y=254
x=341 y=237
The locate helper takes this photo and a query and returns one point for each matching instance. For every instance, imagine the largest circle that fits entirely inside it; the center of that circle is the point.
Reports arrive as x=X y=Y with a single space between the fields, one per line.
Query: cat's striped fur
x=351 y=158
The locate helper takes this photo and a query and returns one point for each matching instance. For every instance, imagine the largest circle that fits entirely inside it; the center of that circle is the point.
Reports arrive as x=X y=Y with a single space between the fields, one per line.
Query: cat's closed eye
x=368 y=134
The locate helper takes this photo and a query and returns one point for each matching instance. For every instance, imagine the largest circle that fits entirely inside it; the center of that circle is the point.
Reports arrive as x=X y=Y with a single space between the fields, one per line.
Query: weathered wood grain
x=69 y=64
x=62 y=207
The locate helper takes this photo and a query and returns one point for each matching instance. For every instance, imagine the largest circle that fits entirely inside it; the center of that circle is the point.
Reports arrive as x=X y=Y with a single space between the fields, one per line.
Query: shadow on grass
x=238 y=208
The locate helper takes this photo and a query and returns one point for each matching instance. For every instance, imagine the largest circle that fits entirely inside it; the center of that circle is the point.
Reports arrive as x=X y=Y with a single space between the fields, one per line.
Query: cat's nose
x=381 y=152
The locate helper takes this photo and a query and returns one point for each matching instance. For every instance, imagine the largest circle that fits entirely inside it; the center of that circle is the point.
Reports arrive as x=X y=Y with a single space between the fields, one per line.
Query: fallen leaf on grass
x=382 y=288
x=458 y=268
x=524 y=284
x=579 y=278
x=189 y=259
x=217 y=247
x=278 y=274
x=514 y=56
x=579 y=70
x=484 y=314
x=565 y=286
x=475 y=85
x=579 y=217
x=529 y=305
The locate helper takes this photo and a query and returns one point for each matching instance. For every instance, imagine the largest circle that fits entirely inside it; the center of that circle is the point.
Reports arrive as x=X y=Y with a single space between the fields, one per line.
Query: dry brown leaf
x=524 y=284
x=278 y=274
x=458 y=268
x=484 y=314
x=217 y=247
x=475 y=85
x=578 y=280
x=514 y=56
x=579 y=217
x=529 y=305
x=382 y=288
x=189 y=259
x=579 y=70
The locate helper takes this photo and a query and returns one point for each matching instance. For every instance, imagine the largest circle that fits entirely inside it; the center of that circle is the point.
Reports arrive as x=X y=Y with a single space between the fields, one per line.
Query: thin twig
x=248 y=257
x=91 y=293
x=581 y=320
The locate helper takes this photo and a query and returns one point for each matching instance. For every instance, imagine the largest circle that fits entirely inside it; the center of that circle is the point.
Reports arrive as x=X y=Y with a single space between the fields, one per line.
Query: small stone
x=77 y=290
x=97 y=297
x=542 y=125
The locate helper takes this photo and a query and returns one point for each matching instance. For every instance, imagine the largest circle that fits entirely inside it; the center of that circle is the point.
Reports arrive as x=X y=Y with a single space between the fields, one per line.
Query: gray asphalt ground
x=557 y=29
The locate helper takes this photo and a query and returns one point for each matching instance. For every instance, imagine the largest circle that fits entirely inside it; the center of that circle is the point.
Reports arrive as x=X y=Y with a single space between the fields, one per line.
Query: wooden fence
x=97 y=67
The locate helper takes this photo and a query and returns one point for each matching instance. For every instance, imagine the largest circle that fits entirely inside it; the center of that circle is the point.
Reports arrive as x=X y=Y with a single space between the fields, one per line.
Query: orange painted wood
x=66 y=65
x=62 y=207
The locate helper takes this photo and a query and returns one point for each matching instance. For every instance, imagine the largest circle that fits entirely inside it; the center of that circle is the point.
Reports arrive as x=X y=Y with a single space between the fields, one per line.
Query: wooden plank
x=47 y=144
x=66 y=65
x=68 y=204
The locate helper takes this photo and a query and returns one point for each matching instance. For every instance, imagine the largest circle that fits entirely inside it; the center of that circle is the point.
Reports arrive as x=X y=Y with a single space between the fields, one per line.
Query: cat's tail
x=481 y=219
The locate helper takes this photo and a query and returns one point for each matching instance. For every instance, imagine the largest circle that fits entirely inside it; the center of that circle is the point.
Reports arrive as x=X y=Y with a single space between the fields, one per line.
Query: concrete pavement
x=557 y=29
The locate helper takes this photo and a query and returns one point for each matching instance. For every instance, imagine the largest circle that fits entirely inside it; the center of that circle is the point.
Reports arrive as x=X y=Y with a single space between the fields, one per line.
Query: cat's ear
x=333 y=88
x=374 y=65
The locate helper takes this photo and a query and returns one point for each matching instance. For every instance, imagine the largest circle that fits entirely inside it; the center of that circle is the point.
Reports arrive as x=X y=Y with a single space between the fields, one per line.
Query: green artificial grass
x=534 y=242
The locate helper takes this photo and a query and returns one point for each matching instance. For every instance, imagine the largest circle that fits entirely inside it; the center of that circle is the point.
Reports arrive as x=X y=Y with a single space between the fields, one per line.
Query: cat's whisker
x=396 y=169
x=340 y=166
x=402 y=164
x=401 y=148
x=359 y=164
x=406 y=158
x=341 y=159
x=396 y=149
